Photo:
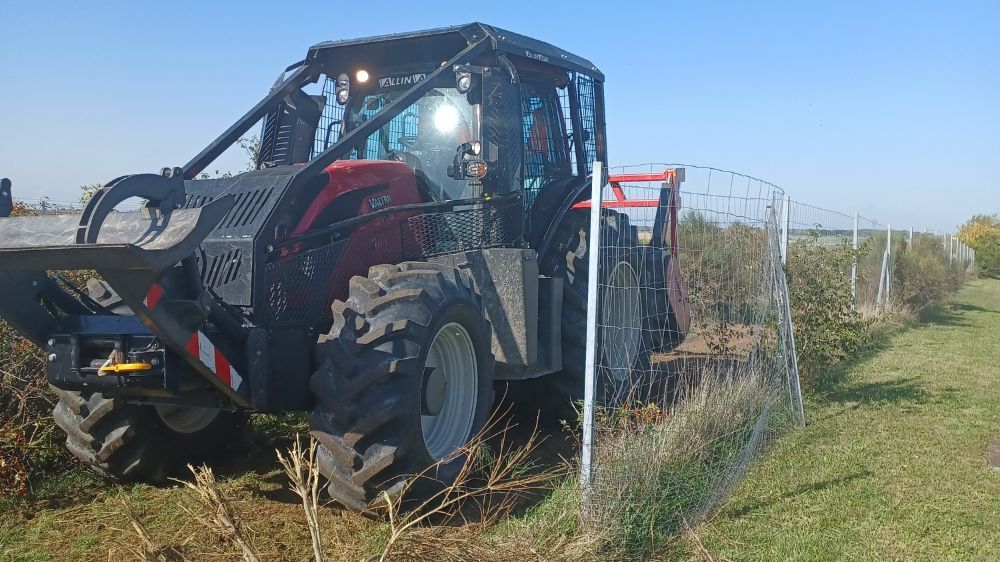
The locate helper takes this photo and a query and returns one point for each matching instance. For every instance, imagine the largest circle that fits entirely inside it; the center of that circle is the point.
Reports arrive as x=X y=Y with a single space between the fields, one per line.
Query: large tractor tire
x=622 y=350
x=404 y=380
x=138 y=443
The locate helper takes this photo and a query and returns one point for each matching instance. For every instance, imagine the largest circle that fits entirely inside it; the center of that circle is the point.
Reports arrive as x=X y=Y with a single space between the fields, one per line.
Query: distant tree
x=250 y=145
x=982 y=234
x=88 y=191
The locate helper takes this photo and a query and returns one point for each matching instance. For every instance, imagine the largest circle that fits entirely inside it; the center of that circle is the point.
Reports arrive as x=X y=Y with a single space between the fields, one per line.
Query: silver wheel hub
x=183 y=419
x=449 y=391
x=621 y=322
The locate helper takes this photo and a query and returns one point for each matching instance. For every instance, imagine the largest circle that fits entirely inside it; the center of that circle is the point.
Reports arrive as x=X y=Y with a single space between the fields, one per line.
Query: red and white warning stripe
x=153 y=296
x=201 y=347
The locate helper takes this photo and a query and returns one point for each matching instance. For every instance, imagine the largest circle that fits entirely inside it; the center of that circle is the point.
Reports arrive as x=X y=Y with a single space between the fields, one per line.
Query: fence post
x=785 y=218
x=594 y=242
x=854 y=266
x=881 y=275
x=909 y=241
x=888 y=259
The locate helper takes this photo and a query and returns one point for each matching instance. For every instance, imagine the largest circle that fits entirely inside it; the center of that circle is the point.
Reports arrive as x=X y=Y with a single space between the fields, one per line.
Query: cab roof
x=445 y=42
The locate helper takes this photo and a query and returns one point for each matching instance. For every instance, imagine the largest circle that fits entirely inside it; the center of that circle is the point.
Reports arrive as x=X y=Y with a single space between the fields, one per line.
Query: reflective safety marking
x=153 y=296
x=201 y=347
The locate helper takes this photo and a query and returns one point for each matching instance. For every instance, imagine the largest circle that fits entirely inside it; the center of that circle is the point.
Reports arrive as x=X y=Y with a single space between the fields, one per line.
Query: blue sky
x=887 y=108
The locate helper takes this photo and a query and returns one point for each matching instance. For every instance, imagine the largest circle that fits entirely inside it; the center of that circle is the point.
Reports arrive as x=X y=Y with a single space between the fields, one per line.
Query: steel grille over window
x=546 y=148
x=586 y=92
x=388 y=139
x=331 y=121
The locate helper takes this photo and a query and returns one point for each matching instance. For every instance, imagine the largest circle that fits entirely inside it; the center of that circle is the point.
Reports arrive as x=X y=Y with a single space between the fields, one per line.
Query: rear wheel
x=136 y=442
x=404 y=380
x=622 y=349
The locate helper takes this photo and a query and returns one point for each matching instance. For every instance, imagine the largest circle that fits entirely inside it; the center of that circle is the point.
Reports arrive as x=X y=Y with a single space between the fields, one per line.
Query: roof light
x=343 y=89
x=463 y=79
x=361 y=76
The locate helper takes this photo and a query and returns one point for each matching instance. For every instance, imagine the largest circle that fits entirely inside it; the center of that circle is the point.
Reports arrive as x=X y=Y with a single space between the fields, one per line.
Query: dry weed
x=302 y=470
x=216 y=512
x=489 y=486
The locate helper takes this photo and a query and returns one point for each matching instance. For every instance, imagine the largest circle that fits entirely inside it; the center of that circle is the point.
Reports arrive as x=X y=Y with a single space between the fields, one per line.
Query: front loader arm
x=136 y=253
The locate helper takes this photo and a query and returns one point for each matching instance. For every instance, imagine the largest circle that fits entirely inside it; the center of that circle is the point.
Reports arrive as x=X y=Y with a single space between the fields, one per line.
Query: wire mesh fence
x=692 y=355
x=694 y=365
x=808 y=226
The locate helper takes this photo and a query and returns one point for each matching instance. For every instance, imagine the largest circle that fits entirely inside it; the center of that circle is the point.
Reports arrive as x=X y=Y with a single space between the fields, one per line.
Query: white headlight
x=446 y=118
x=362 y=76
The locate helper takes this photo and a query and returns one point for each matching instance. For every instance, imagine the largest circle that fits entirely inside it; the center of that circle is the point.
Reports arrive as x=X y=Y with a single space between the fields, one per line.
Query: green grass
x=892 y=464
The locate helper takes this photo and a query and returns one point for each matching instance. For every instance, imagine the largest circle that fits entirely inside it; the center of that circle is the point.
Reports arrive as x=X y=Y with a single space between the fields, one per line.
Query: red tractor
x=412 y=233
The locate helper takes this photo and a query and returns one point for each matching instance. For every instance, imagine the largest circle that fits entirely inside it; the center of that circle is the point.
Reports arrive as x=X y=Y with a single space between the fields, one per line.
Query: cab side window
x=547 y=154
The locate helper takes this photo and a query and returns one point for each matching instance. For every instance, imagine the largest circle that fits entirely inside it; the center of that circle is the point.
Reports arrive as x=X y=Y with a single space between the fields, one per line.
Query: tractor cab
x=473 y=111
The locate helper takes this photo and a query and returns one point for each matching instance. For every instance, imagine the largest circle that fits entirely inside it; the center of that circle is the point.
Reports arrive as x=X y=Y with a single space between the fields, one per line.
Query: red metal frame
x=620 y=201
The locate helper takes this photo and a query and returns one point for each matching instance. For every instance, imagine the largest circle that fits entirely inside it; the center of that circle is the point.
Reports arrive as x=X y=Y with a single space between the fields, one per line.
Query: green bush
x=982 y=234
x=923 y=275
x=827 y=328
x=723 y=268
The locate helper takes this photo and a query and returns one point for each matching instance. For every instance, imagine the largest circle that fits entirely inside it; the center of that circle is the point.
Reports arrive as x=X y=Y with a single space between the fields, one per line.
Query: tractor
x=415 y=230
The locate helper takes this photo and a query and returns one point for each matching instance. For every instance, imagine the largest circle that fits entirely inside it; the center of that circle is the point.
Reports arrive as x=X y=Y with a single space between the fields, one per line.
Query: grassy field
x=893 y=463
x=891 y=466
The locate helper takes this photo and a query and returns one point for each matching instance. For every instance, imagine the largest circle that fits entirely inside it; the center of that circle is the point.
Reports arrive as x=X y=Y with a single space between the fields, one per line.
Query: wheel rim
x=451 y=360
x=185 y=419
x=621 y=318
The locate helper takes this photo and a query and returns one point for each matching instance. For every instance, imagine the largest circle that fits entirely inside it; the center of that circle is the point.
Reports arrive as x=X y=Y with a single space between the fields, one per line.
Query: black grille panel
x=223 y=268
x=227 y=254
x=248 y=206
x=433 y=234
x=299 y=287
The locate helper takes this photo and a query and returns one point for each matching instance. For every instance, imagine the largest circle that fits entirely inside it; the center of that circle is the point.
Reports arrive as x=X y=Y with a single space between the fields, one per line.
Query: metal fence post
x=951 y=249
x=888 y=259
x=882 y=276
x=594 y=242
x=785 y=219
x=854 y=266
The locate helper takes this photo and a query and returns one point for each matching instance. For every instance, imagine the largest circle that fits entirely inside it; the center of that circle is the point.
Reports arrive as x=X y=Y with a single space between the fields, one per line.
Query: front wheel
x=404 y=381
x=136 y=442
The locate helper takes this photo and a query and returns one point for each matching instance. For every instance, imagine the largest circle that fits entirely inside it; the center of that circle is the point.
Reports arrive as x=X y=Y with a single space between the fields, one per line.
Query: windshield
x=425 y=135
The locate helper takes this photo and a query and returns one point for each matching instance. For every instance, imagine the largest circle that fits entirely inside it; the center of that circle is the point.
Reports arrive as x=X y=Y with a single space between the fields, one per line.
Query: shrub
x=982 y=234
x=923 y=276
x=827 y=328
x=723 y=268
